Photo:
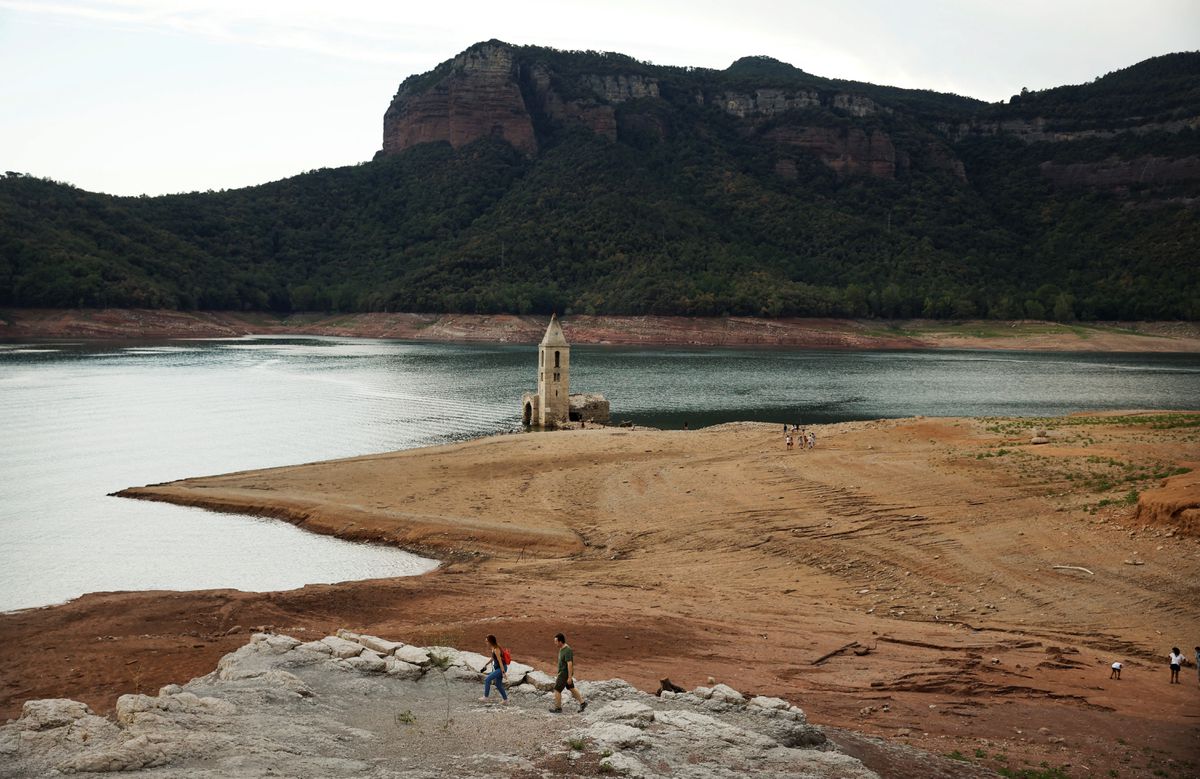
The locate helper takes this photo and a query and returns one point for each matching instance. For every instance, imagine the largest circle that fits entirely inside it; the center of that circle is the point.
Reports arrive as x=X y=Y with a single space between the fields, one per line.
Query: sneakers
x=582 y=706
x=556 y=709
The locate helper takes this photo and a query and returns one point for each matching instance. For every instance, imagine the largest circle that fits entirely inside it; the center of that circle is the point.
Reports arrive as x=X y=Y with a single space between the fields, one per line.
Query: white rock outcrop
x=341 y=708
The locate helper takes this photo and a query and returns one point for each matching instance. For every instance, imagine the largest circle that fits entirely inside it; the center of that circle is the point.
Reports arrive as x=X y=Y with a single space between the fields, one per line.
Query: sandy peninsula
x=938 y=582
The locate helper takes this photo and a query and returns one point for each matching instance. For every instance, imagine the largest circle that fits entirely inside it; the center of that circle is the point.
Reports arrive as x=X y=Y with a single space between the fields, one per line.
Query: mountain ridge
x=527 y=179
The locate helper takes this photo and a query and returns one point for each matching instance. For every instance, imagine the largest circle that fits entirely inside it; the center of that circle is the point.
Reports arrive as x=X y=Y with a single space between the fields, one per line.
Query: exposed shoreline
x=715 y=552
x=130 y=324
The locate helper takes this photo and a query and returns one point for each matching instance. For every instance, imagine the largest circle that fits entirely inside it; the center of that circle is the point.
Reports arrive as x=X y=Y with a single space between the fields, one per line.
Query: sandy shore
x=624 y=330
x=930 y=546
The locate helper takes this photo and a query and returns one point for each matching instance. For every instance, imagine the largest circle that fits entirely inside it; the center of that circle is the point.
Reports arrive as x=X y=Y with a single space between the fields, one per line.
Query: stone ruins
x=553 y=405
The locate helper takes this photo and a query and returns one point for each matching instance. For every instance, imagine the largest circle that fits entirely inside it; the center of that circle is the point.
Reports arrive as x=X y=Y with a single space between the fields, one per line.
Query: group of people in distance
x=1175 y=660
x=499 y=658
x=796 y=436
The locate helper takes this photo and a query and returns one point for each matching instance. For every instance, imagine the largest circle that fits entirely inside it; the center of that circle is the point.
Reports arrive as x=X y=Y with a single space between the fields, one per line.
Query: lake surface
x=79 y=421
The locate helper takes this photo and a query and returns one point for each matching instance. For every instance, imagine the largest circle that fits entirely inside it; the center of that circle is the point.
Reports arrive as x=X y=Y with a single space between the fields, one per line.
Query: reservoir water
x=79 y=421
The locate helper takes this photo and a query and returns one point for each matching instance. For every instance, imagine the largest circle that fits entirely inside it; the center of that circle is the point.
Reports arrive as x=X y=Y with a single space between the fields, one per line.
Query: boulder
x=723 y=692
x=609 y=689
x=52 y=713
x=342 y=648
x=367 y=661
x=772 y=704
x=281 y=644
x=403 y=670
x=540 y=680
x=316 y=646
x=380 y=645
x=454 y=657
x=412 y=654
x=461 y=673
x=517 y=673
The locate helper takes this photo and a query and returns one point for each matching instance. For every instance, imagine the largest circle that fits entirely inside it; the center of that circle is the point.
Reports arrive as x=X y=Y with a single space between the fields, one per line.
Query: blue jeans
x=496 y=676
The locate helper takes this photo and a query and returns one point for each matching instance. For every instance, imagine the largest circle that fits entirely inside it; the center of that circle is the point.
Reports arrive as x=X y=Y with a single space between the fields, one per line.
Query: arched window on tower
x=556 y=359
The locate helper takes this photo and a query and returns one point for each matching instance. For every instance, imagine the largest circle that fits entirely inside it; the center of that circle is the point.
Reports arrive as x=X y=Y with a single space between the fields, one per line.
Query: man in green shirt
x=566 y=675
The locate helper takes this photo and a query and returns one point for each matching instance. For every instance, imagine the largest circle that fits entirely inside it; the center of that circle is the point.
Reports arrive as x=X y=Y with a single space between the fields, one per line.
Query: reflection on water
x=79 y=421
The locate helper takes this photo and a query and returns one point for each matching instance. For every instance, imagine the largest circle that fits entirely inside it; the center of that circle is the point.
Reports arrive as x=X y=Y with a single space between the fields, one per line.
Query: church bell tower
x=554 y=365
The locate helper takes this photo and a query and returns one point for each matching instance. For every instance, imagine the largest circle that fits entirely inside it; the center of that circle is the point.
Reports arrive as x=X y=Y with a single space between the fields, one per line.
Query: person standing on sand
x=787 y=439
x=566 y=675
x=812 y=439
x=1115 y=673
x=1176 y=660
x=499 y=671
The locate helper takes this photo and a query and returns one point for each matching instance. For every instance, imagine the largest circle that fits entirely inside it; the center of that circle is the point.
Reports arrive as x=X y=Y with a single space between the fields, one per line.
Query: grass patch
x=1034 y=773
x=1165 y=421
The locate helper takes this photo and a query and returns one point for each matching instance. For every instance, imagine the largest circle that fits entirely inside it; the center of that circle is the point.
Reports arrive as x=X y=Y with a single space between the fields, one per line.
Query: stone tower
x=553 y=405
x=554 y=385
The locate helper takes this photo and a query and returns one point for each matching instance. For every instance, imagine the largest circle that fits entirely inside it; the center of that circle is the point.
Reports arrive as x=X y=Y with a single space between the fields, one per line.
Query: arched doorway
x=527 y=417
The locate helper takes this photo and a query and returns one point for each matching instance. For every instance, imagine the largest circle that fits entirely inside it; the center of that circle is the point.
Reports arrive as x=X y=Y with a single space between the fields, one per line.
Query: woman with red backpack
x=500 y=658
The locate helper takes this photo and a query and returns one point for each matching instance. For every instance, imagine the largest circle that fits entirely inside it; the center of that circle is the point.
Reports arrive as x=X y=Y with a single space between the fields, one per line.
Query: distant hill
x=527 y=179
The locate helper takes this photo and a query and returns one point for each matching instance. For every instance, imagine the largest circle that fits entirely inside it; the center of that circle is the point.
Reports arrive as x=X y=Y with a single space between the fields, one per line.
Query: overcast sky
x=154 y=96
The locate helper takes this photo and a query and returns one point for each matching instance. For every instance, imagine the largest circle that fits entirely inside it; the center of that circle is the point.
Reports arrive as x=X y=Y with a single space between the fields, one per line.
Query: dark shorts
x=1174 y=667
x=563 y=683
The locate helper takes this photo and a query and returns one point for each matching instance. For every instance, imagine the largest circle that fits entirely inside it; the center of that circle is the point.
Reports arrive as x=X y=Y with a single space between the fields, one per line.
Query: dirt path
x=120 y=324
x=930 y=546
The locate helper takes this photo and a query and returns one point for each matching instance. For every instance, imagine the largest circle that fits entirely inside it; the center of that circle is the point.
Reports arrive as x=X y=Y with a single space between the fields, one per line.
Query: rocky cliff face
x=845 y=150
x=765 y=102
x=618 y=89
x=1041 y=129
x=521 y=94
x=773 y=102
x=1117 y=174
x=487 y=92
x=480 y=97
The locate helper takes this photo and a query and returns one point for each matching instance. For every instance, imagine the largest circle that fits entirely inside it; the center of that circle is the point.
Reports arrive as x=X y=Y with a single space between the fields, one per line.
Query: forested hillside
x=626 y=187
